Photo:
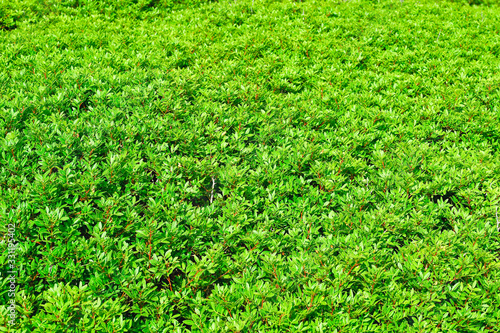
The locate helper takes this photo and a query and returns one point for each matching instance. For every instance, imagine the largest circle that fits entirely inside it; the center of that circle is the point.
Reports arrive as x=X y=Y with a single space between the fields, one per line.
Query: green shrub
x=9 y=17
x=487 y=3
x=15 y=11
x=251 y=166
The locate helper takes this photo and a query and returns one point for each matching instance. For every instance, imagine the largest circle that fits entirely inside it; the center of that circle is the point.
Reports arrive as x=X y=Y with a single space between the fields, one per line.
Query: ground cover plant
x=250 y=166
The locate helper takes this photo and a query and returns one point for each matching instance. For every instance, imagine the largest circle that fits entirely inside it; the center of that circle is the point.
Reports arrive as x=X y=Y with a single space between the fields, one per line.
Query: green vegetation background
x=251 y=166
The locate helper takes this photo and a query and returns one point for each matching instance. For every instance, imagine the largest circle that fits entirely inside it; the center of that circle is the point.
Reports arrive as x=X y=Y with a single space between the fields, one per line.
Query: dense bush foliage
x=13 y=12
x=251 y=166
x=480 y=2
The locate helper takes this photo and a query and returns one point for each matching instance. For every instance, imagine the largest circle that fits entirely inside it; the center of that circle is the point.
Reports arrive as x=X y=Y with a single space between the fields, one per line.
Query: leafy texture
x=249 y=166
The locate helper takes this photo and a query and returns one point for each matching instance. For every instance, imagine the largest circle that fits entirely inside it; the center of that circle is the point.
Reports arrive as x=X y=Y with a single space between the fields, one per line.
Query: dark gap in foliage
x=208 y=290
x=314 y=184
x=337 y=207
x=84 y=232
x=410 y=320
x=368 y=206
x=238 y=21
x=493 y=138
x=280 y=225
x=86 y=102
x=181 y=318
x=8 y=28
x=362 y=64
x=162 y=283
x=434 y=139
x=128 y=314
x=229 y=252
x=321 y=231
x=394 y=248
x=368 y=161
x=199 y=201
x=447 y=197
x=141 y=213
x=397 y=245
x=34 y=216
x=355 y=287
x=443 y=224
x=175 y=274
x=448 y=128
x=122 y=184
x=287 y=90
x=289 y=198
x=153 y=174
x=350 y=172
x=182 y=63
x=265 y=184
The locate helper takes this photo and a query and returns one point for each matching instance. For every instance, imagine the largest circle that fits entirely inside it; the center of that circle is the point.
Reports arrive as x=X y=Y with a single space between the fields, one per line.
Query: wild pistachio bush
x=253 y=166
